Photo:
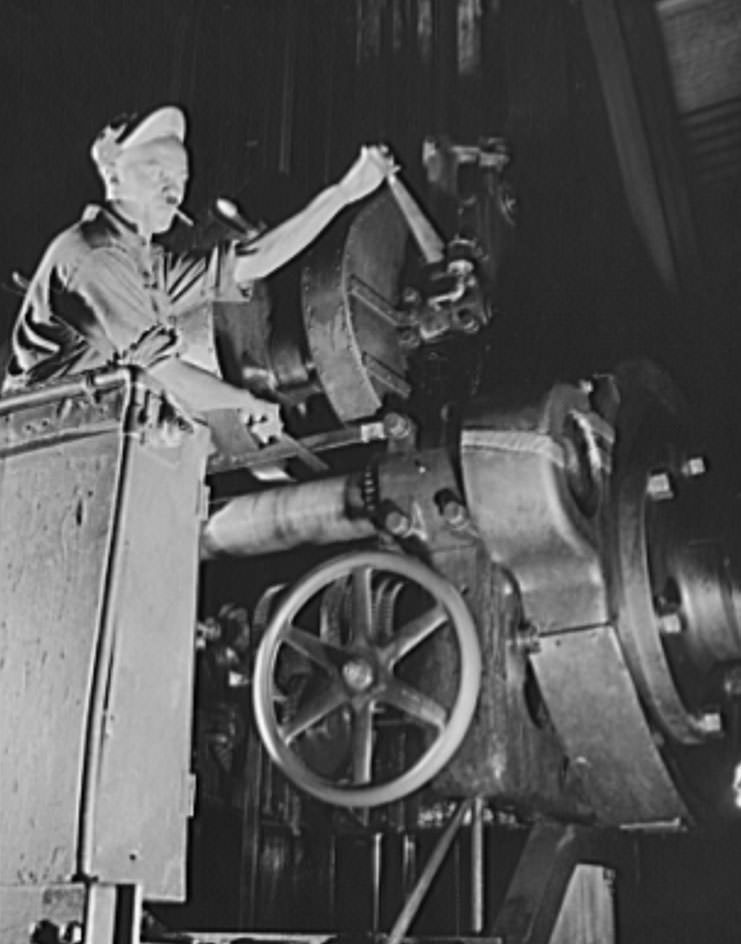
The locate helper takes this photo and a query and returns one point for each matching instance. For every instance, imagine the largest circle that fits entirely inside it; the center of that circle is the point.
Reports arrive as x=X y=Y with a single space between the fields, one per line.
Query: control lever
x=425 y=235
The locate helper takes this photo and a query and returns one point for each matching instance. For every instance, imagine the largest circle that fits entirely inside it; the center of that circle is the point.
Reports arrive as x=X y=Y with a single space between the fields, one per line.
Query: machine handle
x=425 y=235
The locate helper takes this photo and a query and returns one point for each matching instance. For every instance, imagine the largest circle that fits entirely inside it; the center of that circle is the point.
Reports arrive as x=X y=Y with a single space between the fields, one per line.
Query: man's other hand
x=262 y=418
x=152 y=346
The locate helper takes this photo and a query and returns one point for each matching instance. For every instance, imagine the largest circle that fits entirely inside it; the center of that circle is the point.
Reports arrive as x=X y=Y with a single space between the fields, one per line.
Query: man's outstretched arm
x=277 y=246
x=201 y=392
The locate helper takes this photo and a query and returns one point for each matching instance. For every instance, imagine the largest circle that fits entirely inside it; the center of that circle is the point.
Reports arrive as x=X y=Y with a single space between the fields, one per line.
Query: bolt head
x=711 y=722
x=397 y=523
x=659 y=487
x=397 y=425
x=694 y=467
x=455 y=514
x=670 y=624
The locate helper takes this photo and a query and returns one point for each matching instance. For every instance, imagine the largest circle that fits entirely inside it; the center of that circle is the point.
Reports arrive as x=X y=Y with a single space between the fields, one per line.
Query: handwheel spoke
x=330 y=626
x=362 y=604
x=386 y=598
x=410 y=701
x=362 y=748
x=322 y=653
x=414 y=632
x=313 y=711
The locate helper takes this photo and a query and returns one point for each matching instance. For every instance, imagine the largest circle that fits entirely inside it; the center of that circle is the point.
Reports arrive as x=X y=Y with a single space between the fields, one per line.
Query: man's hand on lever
x=373 y=165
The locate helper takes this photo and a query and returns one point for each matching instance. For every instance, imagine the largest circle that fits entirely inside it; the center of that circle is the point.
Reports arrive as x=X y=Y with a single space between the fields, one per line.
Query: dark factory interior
x=610 y=132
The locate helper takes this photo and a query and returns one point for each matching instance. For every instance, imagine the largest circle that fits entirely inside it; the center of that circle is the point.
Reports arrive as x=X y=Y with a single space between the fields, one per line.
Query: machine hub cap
x=358 y=674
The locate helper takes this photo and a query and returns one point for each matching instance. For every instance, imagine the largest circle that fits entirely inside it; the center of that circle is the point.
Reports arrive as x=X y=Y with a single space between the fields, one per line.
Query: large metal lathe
x=463 y=610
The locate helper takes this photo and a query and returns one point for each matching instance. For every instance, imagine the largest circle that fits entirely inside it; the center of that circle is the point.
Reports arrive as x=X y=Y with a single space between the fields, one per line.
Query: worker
x=105 y=294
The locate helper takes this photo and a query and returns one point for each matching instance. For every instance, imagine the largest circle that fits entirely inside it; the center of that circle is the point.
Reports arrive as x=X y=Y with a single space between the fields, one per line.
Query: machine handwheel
x=390 y=609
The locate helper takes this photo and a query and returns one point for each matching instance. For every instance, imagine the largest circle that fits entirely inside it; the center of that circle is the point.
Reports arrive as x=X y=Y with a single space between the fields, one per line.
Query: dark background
x=280 y=93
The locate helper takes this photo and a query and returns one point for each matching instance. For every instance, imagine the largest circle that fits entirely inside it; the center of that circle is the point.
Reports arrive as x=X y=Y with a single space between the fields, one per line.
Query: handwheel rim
x=434 y=758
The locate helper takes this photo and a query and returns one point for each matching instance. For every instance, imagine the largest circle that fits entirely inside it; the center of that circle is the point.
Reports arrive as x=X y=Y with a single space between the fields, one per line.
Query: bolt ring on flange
x=650 y=439
x=361 y=676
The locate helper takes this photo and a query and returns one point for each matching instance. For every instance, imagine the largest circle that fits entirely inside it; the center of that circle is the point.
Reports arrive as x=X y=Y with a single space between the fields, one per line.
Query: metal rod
x=58 y=390
x=282 y=518
x=376 y=849
x=429 y=242
x=477 y=866
x=413 y=903
x=408 y=862
x=104 y=649
x=252 y=833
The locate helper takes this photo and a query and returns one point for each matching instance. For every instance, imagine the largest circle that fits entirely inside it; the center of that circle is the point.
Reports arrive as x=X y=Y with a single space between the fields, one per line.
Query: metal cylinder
x=283 y=518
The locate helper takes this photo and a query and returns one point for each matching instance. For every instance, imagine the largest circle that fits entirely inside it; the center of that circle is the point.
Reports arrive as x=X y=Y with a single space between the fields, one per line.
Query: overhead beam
x=631 y=64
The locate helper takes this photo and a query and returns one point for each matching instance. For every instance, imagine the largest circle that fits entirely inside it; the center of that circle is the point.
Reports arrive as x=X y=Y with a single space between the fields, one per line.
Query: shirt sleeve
x=189 y=279
x=195 y=278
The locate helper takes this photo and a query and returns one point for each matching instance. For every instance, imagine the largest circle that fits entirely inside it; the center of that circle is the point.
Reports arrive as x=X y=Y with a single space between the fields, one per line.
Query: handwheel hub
x=358 y=674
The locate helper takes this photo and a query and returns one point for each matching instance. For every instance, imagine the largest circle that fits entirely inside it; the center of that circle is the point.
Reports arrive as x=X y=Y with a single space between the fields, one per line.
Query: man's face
x=151 y=181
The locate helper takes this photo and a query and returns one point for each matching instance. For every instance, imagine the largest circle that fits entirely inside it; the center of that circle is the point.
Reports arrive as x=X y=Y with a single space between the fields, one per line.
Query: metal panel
x=595 y=709
x=588 y=910
x=58 y=908
x=506 y=753
x=143 y=782
x=552 y=898
x=55 y=508
x=101 y=504
x=535 y=518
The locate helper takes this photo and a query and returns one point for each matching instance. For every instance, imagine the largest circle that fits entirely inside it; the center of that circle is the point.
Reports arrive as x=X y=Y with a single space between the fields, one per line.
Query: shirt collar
x=123 y=230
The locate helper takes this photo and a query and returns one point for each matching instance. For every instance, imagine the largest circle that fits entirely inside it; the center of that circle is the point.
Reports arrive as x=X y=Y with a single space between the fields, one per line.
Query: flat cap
x=167 y=121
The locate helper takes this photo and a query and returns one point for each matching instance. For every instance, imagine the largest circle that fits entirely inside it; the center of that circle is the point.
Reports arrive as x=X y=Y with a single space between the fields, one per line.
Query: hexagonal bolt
x=693 y=467
x=397 y=425
x=710 y=722
x=670 y=624
x=659 y=487
x=397 y=523
x=455 y=513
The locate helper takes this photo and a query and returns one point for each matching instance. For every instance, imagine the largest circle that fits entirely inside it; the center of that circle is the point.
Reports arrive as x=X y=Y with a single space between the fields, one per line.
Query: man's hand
x=152 y=346
x=368 y=172
x=262 y=419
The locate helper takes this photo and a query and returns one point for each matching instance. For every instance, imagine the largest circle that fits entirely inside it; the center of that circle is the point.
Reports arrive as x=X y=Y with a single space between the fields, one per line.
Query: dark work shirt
x=98 y=289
